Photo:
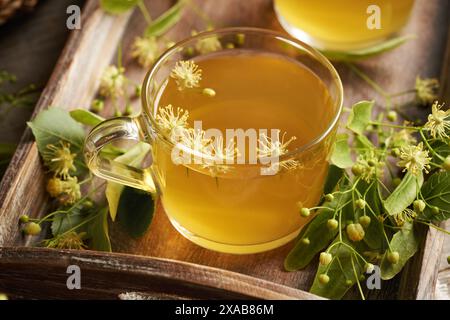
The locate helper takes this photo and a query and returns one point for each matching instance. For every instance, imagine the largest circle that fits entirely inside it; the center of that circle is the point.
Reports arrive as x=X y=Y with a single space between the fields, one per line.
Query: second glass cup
x=250 y=145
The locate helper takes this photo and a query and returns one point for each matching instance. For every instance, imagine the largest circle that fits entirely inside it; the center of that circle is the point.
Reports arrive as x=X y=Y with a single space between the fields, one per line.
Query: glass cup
x=343 y=25
x=239 y=211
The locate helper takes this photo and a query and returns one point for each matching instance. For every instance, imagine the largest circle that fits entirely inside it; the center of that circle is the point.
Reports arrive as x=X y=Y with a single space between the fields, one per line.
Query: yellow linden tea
x=344 y=24
x=234 y=208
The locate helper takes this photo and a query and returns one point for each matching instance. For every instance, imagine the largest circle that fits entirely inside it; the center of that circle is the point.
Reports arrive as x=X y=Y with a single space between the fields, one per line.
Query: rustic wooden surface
x=30 y=44
x=395 y=71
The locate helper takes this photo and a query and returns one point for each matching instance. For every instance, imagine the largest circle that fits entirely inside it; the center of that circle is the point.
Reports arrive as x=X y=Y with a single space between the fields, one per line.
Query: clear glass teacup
x=256 y=81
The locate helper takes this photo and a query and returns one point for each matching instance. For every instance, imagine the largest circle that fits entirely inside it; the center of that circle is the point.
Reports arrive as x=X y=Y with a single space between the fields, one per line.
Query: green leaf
x=362 y=142
x=436 y=192
x=55 y=124
x=132 y=157
x=118 y=6
x=405 y=193
x=7 y=149
x=368 y=52
x=98 y=231
x=334 y=176
x=360 y=116
x=318 y=234
x=339 y=271
x=406 y=242
x=86 y=117
x=135 y=211
x=341 y=156
x=165 y=21
x=64 y=221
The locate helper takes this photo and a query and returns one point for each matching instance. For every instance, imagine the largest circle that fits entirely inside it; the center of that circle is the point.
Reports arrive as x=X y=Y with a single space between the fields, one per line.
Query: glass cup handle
x=109 y=131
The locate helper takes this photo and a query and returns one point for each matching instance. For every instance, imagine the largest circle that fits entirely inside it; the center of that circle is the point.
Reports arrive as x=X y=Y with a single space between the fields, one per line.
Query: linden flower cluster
x=145 y=50
x=112 y=82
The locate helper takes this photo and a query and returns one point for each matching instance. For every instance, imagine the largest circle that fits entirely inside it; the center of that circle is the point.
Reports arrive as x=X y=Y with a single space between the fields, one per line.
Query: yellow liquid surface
x=240 y=208
x=342 y=24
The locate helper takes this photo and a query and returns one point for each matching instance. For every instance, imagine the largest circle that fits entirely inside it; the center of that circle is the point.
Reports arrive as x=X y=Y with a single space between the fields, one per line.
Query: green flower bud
x=32 y=229
x=97 y=105
x=128 y=110
x=395 y=152
x=88 y=204
x=393 y=257
x=332 y=224
x=364 y=221
x=189 y=51
x=325 y=258
x=329 y=197
x=434 y=210
x=349 y=282
x=324 y=278
x=446 y=164
x=360 y=203
x=362 y=277
x=392 y=116
x=419 y=206
x=305 y=241
x=448 y=259
x=209 y=92
x=138 y=91
x=229 y=45
x=372 y=163
x=369 y=268
x=304 y=212
x=357 y=169
x=355 y=232
x=396 y=181
x=24 y=218
x=117 y=113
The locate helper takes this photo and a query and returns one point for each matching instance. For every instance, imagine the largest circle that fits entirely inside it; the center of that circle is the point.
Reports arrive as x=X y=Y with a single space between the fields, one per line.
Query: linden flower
x=407 y=215
x=426 y=90
x=414 y=159
x=112 y=82
x=267 y=147
x=67 y=191
x=369 y=166
x=170 y=121
x=186 y=74
x=59 y=159
x=70 y=240
x=438 y=121
x=145 y=50
x=208 y=45
x=217 y=155
x=403 y=137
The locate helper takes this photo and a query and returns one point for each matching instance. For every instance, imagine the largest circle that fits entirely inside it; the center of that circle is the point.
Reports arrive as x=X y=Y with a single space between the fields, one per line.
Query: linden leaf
x=98 y=231
x=132 y=157
x=135 y=211
x=86 y=117
x=405 y=193
x=406 y=242
x=118 y=6
x=436 y=192
x=165 y=21
x=341 y=156
x=334 y=176
x=360 y=116
x=319 y=236
x=65 y=221
x=368 y=52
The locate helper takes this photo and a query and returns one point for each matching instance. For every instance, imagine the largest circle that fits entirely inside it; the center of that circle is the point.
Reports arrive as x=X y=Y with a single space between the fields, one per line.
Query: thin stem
x=366 y=78
x=145 y=12
x=200 y=13
x=433 y=226
x=429 y=147
x=401 y=93
x=383 y=124
x=357 y=279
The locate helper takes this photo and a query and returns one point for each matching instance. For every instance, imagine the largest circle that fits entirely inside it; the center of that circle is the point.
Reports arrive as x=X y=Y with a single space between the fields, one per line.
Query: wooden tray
x=162 y=263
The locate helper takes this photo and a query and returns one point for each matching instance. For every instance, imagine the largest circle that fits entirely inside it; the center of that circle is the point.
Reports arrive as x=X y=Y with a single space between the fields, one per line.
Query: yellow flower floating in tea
x=186 y=74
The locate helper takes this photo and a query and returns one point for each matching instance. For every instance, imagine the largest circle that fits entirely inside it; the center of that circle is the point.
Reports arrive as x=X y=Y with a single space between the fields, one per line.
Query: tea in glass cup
x=270 y=95
x=345 y=24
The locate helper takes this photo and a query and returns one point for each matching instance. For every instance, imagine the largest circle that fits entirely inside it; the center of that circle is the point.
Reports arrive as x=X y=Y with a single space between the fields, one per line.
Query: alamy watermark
x=73 y=21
